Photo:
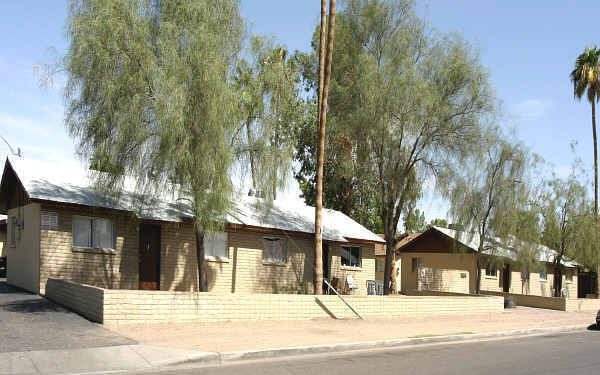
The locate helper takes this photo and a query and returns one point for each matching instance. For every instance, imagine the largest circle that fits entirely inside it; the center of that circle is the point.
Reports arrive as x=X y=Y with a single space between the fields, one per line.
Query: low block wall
x=134 y=306
x=583 y=304
x=552 y=303
x=84 y=299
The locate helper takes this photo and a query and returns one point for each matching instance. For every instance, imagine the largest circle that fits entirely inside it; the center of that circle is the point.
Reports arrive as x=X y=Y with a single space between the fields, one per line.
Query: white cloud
x=532 y=108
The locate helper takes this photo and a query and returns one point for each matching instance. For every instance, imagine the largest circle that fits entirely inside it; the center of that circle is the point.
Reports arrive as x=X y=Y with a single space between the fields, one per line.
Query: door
x=149 y=257
x=506 y=279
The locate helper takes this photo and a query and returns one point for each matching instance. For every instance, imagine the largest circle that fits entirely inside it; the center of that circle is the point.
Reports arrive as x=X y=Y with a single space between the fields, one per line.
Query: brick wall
x=459 y=262
x=443 y=280
x=58 y=257
x=132 y=306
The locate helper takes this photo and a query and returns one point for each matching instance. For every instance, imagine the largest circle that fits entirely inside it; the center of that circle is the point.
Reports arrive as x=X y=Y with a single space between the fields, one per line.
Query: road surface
x=574 y=354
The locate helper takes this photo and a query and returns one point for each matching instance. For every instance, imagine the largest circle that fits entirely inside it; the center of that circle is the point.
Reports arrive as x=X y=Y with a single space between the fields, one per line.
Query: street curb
x=245 y=355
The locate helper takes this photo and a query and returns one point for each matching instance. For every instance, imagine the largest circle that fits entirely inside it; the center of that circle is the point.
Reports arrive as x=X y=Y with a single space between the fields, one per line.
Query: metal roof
x=544 y=253
x=52 y=182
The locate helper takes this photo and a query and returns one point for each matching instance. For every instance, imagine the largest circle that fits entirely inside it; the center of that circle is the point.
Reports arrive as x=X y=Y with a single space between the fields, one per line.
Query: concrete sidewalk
x=258 y=335
x=94 y=360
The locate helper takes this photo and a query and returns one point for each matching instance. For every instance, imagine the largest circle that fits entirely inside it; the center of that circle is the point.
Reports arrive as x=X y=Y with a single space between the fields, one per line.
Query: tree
x=324 y=78
x=413 y=103
x=438 y=222
x=150 y=96
x=489 y=197
x=414 y=221
x=568 y=223
x=343 y=190
x=271 y=110
x=586 y=80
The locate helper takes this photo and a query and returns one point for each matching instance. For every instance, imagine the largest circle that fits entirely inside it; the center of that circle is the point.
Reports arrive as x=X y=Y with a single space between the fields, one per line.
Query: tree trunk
x=596 y=191
x=252 y=165
x=478 y=283
x=389 y=267
x=318 y=269
x=389 y=277
x=202 y=284
x=557 y=280
x=595 y=161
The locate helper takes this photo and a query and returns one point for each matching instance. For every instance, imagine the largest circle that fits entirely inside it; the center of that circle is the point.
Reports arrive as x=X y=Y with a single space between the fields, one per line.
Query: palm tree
x=324 y=77
x=586 y=80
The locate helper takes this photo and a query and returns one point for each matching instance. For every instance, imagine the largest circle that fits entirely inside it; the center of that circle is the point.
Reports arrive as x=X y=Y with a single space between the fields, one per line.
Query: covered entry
x=149 y=257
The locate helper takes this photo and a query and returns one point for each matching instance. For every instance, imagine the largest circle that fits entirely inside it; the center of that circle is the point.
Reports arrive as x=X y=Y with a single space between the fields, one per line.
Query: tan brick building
x=59 y=227
x=444 y=260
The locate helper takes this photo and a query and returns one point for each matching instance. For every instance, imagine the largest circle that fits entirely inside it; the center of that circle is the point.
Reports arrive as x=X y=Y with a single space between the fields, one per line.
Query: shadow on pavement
x=31 y=306
x=593 y=327
x=9 y=289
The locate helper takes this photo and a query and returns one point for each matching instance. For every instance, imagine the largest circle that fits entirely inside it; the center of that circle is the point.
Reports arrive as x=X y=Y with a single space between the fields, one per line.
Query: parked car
x=2 y=266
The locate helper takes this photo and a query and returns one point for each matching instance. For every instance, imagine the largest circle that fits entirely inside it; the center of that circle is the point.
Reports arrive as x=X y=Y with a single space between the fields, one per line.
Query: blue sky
x=528 y=47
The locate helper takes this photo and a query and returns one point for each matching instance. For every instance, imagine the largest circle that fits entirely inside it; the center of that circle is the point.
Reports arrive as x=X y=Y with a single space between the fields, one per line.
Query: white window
x=13 y=230
x=491 y=270
x=93 y=232
x=273 y=250
x=351 y=256
x=380 y=265
x=417 y=263
x=543 y=275
x=569 y=275
x=215 y=245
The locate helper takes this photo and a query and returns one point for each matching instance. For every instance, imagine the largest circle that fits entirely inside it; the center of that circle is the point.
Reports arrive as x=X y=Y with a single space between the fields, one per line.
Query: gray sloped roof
x=52 y=182
x=544 y=253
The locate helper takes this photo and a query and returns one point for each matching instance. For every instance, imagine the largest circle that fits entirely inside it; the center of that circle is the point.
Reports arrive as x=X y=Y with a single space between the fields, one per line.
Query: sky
x=528 y=48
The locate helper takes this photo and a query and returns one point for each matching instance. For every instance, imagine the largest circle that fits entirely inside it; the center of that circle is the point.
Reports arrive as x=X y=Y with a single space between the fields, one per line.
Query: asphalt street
x=29 y=322
x=573 y=354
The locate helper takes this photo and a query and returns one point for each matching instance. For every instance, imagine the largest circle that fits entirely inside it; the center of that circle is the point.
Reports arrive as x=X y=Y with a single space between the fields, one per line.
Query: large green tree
x=271 y=109
x=488 y=198
x=412 y=103
x=568 y=224
x=150 y=96
x=586 y=81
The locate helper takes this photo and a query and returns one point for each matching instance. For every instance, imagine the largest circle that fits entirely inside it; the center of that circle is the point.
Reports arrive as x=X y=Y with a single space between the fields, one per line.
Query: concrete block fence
x=552 y=303
x=112 y=306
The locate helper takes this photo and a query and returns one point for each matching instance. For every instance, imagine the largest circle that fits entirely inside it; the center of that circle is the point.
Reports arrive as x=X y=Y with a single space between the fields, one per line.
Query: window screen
x=273 y=250
x=13 y=230
x=543 y=275
x=380 y=265
x=491 y=270
x=351 y=256
x=103 y=235
x=93 y=232
x=215 y=245
x=417 y=263
x=82 y=231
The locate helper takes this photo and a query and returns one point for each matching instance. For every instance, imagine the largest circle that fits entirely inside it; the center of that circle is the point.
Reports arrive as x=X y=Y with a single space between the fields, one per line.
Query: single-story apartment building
x=60 y=226
x=444 y=260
